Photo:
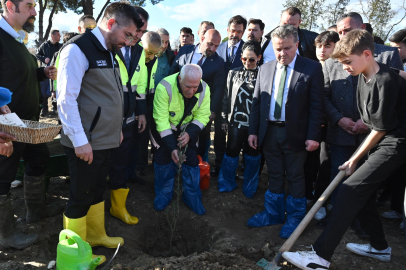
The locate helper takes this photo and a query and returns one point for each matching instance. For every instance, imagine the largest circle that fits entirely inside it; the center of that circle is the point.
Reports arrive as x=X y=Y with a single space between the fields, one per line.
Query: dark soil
x=218 y=240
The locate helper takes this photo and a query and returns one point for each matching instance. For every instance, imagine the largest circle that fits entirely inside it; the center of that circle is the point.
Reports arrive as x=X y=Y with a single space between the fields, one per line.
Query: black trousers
x=236 y=139
x=87 y=181
x=357 y=195
x=219 y=141
x=35 y=155
x=283 y=163
x=119 y=159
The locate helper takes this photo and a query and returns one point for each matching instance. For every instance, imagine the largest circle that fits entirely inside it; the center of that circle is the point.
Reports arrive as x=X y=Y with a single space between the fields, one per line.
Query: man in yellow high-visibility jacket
x=181 y=103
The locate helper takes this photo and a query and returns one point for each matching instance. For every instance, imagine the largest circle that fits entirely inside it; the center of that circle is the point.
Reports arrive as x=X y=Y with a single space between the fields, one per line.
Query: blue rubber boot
x=226 y=180
x=164 y=181
x=251 y=175
x=192 y=195
x=296 y=210
x=274 y=211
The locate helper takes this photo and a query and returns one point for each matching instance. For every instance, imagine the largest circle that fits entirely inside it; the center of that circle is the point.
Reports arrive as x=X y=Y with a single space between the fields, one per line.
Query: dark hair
x=353 y=15
x=186 y=30
x=293 y=11
x=259 y=22
x=238 y=20
x=193 y=35
x=206 y=22
x=368 y=27
x=84 y=17
x=399 y=37
x=327 y=37
x=68 y=36
x=332 y=26
x=142 y=12
x=354 y=42
x=378 y=40
x=54 y=31
x=15 y=2
x=124 y=13
x=253 y=46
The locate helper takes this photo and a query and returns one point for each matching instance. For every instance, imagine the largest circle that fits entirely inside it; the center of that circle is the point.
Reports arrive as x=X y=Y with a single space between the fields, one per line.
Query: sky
x=175 y=14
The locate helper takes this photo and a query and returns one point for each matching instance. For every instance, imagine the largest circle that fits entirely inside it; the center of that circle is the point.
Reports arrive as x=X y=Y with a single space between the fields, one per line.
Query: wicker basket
x=35 y=132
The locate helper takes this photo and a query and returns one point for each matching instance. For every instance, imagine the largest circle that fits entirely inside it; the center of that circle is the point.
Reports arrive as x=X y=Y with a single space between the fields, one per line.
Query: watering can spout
x=94 y=263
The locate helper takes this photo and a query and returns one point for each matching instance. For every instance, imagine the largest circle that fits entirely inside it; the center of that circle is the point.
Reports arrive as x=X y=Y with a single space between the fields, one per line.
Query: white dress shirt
x=275 y=86
x=72 y=67
x=197 y=55
x=20 y=35
x=235 y=48
x=269 y=53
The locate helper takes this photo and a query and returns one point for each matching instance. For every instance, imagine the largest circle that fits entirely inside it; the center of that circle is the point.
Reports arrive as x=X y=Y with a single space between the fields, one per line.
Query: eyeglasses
x=236 y=31
x=251 y=60
x=129 y=37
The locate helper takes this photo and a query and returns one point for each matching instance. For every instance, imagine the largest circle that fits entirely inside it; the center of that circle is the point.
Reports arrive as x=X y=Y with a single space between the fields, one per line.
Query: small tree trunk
x=101 y=12
x=42 y=7
x=87 y=7
x=50 y=19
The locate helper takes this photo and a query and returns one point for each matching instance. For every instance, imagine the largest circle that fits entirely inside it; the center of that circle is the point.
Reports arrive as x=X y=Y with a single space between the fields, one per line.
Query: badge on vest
x=138 y=68
x=101 y=63
x=172 y=114
x=153 y=76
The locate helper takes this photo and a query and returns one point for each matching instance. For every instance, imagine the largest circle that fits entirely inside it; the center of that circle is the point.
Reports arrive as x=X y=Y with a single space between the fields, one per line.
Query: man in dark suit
x=230 y=51
x=306 y=48
x=286 y=118
x=204 y=54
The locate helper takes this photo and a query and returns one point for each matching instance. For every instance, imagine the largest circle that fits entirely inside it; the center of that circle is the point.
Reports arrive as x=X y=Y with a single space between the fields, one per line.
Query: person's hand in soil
x=6 y=149
x=184 y=139
x=4 y=110
x=5 y=137
x=85 y=153
x=253 y=141
x=51 y=72
x=142 y=123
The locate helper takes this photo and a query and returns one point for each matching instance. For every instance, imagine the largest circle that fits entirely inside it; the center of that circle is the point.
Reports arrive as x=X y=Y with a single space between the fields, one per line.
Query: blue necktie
x=127 y=57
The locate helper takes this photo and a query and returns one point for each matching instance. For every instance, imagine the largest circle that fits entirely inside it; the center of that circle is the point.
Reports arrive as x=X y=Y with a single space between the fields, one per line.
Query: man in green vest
x=151 y=43
x=90 y=106
x=181 y=111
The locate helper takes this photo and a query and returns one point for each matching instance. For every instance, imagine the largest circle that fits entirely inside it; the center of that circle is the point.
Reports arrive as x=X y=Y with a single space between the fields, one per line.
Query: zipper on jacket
x=94 y=122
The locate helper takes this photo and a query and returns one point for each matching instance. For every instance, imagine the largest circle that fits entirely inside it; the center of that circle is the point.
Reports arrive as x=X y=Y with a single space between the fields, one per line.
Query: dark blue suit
x=222 y=51
x=214 y=74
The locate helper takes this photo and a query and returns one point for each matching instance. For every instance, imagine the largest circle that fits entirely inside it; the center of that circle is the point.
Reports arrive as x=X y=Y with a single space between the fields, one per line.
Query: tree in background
x=381 y=16
x=332 y=12
x=311 y=11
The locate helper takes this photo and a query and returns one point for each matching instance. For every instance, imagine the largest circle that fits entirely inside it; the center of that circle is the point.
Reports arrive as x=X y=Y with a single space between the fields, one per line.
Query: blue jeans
x=339 y=155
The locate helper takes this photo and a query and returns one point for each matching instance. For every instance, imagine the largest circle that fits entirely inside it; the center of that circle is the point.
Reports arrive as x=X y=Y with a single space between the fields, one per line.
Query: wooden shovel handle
x=306 y=220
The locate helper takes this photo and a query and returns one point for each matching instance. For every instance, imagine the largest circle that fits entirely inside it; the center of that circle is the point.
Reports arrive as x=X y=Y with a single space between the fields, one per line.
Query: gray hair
x=162 y=31
x=286 y=31
x=206 y=22
x=192 y=71
x=152 y=38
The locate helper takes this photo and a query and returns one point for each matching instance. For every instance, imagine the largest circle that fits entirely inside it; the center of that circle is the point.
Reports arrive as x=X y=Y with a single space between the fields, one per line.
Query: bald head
x=210 y=42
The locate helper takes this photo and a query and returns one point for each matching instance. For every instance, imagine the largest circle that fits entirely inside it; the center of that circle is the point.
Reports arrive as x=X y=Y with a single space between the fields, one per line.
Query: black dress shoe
x=322 y=223
x=137 y=180
x=215 y=172
x=356 y=227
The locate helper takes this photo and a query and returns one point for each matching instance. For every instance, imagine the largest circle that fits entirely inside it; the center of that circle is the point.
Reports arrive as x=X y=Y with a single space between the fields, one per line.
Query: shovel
x=273 y=265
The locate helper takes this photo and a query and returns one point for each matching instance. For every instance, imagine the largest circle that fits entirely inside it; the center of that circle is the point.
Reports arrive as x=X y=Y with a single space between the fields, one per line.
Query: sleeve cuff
x=193 y=130
x=170 y=142
x=78 y=139
x=141 y=107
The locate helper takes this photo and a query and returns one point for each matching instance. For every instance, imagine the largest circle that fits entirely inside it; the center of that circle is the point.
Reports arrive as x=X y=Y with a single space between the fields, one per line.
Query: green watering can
x=73 y=253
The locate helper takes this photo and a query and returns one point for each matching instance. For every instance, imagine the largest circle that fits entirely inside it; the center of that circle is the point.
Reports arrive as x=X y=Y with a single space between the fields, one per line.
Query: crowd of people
x=305 y=104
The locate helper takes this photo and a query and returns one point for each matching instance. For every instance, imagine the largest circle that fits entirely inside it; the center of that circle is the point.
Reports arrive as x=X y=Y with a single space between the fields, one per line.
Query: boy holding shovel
x=380 y=99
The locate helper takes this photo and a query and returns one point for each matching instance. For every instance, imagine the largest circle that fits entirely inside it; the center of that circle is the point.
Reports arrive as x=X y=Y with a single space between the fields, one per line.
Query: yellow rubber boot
x=118 y=209
x=78 y=226
x=96 y=232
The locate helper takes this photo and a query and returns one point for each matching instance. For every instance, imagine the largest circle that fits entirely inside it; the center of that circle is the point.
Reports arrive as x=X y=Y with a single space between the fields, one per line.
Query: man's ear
x=110 y=23
x=79 y=29
x=363 y=26
x=259 y=57
x=10 y=7
x=300 y=21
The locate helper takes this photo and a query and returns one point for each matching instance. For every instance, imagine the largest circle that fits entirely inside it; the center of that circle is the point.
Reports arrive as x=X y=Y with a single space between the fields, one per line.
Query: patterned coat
x=340 y=95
